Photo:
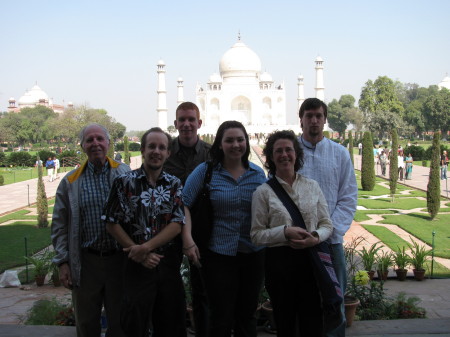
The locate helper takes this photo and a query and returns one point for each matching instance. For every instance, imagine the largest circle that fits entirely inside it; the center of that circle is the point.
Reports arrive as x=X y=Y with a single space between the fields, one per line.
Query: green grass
x=12 y=244
x=388 y=238
x=15 y=175
x=361 y=215
x=22 y=214
x=420 y=226
x=385 y=203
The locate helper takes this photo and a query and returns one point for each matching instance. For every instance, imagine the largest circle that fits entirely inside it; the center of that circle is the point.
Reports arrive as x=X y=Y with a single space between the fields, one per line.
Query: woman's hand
x=193 y=254
x=152 y=260
x=299 y=238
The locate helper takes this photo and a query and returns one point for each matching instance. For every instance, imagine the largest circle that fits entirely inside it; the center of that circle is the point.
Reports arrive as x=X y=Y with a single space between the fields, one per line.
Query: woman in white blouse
x=290 y=279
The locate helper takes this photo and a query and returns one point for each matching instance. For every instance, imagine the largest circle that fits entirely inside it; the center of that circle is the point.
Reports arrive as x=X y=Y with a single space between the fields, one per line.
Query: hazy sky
x=104 y=53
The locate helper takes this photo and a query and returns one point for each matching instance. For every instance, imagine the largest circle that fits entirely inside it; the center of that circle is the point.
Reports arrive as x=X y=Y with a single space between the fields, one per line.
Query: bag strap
x=208 y=173
x=296 y=215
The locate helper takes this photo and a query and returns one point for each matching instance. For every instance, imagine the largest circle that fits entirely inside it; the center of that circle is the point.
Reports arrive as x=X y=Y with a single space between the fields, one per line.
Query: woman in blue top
x=232 y=266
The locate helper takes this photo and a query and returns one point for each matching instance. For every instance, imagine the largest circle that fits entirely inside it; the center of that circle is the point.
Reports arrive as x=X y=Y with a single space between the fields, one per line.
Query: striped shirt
x=330 y=165
x=93 y=196
x=231 y=200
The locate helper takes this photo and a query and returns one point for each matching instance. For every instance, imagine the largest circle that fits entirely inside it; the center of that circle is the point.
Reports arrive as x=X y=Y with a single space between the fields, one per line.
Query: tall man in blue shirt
x=89 y=259
x=330 y=165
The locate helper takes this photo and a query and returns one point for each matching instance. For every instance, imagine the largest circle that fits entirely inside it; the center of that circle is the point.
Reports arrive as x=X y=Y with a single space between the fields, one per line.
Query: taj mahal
x=240 y=91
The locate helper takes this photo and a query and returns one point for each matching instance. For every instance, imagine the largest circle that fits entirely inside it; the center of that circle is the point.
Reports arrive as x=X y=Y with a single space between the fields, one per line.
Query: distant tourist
x=408 y=166
x=57 y=165
x=50 y=166
x=444 y=165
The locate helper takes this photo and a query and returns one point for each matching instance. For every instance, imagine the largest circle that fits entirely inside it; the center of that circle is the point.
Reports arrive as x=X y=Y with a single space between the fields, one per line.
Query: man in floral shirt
x=144 y=213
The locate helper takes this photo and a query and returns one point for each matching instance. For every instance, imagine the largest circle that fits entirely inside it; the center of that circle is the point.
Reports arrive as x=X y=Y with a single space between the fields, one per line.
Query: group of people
x=52 y=165
x=120 y=235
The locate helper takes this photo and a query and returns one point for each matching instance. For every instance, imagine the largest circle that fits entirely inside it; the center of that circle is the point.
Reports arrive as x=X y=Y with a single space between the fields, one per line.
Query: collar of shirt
x=92 y=170
x=176 y=146
x=140 y=174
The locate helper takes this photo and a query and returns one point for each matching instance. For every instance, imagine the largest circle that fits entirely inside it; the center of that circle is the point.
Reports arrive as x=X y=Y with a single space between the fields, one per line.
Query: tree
x=342 y=113
x=380 y=96
x=41 y=199
x=434 y=185
x=350 y=147
x=368 y=168
x=126 y=150
x=436 y=111
x=335 y=117
x=393 y=166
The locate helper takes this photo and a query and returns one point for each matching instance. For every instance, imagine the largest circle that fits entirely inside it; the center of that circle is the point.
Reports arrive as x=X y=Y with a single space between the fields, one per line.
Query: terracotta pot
x=401 y=274
x=350 y=303
x=55 y=280
x=382 y=275
x=39 y=280
x=371 y=274
x=419 y=274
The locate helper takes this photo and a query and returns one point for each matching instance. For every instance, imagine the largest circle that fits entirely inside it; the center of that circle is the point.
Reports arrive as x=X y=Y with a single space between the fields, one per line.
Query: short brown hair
x=156 y=129
x=312 y=104
x=188 y=106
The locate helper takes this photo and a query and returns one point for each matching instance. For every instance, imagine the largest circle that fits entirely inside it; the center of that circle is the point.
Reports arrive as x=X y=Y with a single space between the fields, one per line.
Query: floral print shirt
x=141 y=209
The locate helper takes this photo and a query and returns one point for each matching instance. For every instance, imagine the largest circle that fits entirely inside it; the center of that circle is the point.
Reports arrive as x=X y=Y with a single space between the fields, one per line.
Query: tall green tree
x=126 y=150
x=367 y=168
x=393 y=166
x=350 y=147
x=41 y=199
x=436 y=111
x=380 y=96
x=434 y=185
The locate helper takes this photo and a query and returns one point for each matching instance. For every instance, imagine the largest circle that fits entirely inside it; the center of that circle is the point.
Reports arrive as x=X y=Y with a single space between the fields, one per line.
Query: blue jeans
x=444 y=172
x=337 y=254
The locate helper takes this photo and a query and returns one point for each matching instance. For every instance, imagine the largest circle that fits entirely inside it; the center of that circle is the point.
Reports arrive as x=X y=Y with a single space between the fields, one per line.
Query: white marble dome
x=266 y=77
x=445 y=83
x=215 y=78
x=33 y=96
x=240 y=60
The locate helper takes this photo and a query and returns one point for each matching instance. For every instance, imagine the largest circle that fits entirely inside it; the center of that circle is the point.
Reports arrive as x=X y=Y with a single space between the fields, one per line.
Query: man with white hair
x=89 y=259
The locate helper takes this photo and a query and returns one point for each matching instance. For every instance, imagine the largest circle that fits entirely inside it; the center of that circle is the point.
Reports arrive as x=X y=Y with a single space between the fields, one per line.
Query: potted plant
x=351 y=297
x=419 y=256
x=40 y=263
x=401 y=260
x=53 y=269
x=383 y=261
x=368 y=257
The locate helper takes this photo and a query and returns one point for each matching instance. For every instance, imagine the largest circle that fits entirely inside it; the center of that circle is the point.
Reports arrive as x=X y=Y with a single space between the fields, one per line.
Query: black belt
x=100 y=253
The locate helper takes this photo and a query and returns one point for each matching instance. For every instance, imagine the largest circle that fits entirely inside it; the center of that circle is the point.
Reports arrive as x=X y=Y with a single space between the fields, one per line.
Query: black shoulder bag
x=202 y=213
x=320 y=257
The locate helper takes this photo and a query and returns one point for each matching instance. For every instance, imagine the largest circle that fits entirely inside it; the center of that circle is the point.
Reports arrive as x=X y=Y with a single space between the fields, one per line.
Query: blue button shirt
x=231 y=200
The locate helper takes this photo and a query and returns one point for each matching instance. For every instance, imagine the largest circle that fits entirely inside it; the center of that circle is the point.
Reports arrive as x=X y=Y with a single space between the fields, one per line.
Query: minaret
x=320 y=89
x=162 y=96
x=301 y=91
x=180 y=97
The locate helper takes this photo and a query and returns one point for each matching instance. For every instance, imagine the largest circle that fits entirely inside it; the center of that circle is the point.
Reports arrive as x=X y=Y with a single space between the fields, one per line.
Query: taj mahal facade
x=240 y=91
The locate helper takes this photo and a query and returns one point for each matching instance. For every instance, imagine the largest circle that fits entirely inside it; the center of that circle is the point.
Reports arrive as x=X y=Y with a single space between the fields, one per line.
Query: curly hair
x=268 y=150
x=216 y=152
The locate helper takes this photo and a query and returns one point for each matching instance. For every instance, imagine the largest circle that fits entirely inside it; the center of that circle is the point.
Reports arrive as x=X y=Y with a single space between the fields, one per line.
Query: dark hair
x=312 y=104
x=187 y=106
x=156 y=129
x=268 y=150
x=216 y=152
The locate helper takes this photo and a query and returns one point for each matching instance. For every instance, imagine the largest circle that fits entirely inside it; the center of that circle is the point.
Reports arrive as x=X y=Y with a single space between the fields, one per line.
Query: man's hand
x=138 y=253
x=64 y=275
x=152 y=260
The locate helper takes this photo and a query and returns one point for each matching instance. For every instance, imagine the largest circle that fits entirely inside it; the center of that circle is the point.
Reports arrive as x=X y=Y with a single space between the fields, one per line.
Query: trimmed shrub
x=126 y=151
x=41 y=200
x=368 y=168
x=119 y=146
x=417 y=152
x=2 y=158
x=20 y=159
x=424 y=163
x=45 y=154
x=350 y=146
x=434 y=185
x=134 y=147
x=2 y=180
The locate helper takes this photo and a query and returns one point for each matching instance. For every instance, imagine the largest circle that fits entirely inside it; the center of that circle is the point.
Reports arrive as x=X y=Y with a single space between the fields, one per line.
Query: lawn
x=12 y=242
x=15 y=175
x=419 y=225
x=361 y=215
x=399 y=203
